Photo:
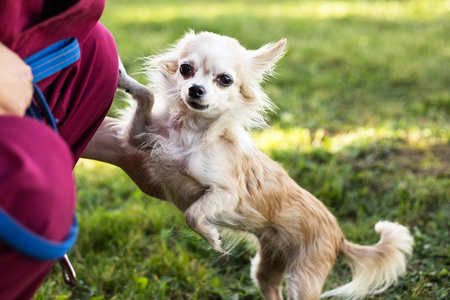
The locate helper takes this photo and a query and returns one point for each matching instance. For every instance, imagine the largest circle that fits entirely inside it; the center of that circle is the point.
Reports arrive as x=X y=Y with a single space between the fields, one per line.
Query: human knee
x=36 y=181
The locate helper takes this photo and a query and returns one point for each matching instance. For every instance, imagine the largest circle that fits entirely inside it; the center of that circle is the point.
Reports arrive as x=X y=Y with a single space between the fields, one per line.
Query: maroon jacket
x=36 y=181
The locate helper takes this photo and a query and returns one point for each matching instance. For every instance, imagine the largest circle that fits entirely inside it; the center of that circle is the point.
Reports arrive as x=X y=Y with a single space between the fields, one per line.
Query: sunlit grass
x=124 y=12
x=363 y=123
x=305 y=140
x=363 y=175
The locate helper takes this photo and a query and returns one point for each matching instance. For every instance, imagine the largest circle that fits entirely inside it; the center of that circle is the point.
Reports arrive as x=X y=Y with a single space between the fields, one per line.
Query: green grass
x=363 y=123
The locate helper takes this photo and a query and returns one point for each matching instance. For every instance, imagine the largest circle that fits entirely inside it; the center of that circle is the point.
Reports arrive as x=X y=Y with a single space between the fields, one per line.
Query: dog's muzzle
x=196 y=93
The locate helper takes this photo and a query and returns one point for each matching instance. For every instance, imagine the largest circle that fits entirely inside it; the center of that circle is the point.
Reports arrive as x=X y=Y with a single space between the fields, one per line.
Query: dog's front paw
x=216 y=242
x=129 y=84
x=123 y=78
x=206 y=230
x=138 y=91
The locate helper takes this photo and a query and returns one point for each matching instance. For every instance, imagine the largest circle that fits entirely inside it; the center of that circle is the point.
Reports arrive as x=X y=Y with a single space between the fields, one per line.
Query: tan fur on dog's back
x=204 y=158
x=300 y=225
x=267 y=189
x=292 y=226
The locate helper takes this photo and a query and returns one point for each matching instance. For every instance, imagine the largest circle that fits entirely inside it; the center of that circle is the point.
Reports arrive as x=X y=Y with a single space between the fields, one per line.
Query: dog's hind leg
x=267 y=272
x=305 y=279
x=144 y=98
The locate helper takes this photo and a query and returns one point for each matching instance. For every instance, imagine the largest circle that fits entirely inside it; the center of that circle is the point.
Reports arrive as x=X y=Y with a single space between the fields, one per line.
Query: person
x=36 y=180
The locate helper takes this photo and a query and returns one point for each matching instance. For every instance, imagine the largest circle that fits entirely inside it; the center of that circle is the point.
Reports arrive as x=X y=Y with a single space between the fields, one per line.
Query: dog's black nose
x=196 y=91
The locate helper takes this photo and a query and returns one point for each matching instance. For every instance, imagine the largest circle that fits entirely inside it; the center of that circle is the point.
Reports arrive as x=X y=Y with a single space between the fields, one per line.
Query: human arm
x=107 y=146
x=16 y=83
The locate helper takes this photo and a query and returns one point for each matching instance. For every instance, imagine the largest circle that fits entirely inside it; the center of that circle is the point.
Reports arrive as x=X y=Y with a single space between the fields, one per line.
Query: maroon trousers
x=36 y=181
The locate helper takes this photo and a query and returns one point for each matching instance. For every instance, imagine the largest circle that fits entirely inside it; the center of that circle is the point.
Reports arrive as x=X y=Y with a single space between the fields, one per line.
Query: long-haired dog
x=196 y=131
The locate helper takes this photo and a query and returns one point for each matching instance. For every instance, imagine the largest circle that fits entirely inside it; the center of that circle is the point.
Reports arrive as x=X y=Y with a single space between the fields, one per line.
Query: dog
x=196 y=130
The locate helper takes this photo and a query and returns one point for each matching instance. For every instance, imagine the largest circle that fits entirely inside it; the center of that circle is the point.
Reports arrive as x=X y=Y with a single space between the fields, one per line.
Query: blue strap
x=45 y=109
x=31 y=244
x=44 y=63
x=47 y=62
x=54 y=58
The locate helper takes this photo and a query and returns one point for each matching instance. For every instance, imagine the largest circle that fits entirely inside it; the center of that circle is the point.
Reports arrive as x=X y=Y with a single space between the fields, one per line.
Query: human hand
x=16 y=83
x=108 y=146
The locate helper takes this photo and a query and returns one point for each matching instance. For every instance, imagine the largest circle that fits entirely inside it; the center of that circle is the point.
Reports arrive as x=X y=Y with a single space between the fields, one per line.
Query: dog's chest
x=179 y=165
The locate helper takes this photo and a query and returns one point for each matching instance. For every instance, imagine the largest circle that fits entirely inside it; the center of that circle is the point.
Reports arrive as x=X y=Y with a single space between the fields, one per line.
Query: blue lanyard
x=44 y=63
x=47 y=62
x=29 y=243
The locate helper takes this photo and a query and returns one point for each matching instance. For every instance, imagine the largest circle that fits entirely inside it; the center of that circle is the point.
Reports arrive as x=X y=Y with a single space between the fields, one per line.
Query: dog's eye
x=225 y=80
x=185 y=70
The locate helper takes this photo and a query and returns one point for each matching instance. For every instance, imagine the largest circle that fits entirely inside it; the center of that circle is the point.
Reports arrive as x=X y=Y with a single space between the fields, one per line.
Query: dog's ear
x=167 y=62
x=263 y=60
x=261 y=63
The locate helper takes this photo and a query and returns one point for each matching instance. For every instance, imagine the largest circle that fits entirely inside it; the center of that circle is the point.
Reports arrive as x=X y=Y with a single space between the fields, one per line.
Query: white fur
x=201 y=152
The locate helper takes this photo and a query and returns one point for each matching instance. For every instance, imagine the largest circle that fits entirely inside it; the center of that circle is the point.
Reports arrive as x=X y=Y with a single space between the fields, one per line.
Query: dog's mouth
x=197 y=106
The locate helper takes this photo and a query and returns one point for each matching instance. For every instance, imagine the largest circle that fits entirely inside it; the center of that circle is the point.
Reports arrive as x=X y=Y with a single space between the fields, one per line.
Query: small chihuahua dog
x=196 y=131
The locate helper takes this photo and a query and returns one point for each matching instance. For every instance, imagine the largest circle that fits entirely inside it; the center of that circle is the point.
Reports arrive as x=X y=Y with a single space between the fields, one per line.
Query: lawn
x=363 y=97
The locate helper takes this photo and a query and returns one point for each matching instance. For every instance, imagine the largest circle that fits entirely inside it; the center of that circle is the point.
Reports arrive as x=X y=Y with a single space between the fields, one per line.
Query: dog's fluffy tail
x=376 y=267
